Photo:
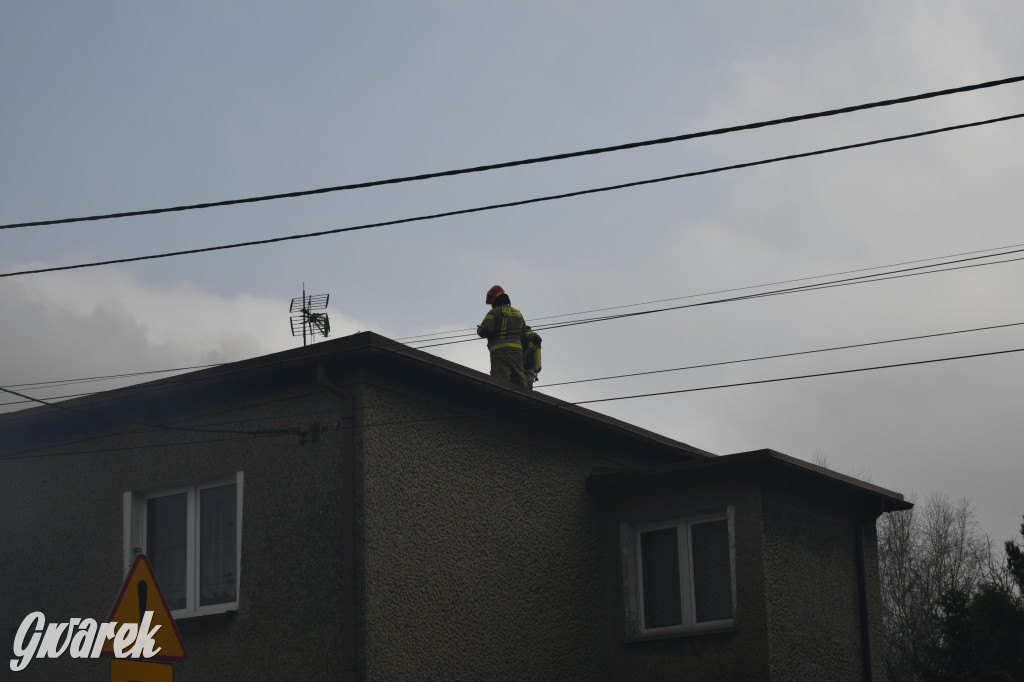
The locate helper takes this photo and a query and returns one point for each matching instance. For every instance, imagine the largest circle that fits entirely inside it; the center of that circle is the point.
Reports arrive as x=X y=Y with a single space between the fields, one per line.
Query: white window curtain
x=217 y=543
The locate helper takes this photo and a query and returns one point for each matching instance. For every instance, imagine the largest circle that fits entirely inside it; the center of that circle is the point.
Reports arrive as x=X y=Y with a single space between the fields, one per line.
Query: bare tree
x=925 y=553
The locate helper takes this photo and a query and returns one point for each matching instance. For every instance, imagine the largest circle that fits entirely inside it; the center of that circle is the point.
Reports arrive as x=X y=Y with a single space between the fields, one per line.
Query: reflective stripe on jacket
x=503 y=327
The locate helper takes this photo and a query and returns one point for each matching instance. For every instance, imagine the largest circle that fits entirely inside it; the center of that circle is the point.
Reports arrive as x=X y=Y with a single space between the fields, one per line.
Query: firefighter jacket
x=504 y=328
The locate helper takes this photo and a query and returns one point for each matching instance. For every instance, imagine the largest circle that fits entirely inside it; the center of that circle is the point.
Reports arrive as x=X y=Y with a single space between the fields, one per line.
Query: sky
x=119 y=106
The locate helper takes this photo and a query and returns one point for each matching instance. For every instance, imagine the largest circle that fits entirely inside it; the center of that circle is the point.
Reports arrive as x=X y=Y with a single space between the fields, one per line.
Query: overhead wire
x=65 y=382
x=508 y=204
x=65 y=396
x=800 y=376
x=608 y=377
x=457 y=334
x=141 y=429
x=714 y=364
x=825 y=285
x=86 y=413
x=559 y=404
x=427 y=337
x=106 y=450
x=785 y=355
x=36 y=385
x=532 y=160
x=863 y=279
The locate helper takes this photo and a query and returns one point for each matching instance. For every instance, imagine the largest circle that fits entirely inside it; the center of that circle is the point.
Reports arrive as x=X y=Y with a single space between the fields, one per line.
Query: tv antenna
x=307 y=322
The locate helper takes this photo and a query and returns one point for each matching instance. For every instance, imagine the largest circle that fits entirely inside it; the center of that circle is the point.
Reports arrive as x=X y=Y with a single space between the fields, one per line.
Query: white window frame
x=632 y=563
x=135 y=510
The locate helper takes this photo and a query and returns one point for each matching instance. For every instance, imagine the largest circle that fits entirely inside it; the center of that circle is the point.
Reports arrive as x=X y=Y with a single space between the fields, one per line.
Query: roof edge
x=354 y=346
x=601 y=479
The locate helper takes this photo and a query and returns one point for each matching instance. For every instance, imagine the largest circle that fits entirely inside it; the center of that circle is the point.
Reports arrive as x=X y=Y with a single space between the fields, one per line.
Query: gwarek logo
x=82 y=638
x=139 y=626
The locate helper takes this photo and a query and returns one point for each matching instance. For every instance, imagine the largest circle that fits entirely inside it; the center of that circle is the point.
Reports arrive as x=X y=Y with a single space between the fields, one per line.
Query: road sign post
x=128 y=670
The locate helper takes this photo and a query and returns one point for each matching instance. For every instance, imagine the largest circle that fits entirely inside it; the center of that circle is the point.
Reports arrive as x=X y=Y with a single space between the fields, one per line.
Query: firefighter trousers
x=507 y=364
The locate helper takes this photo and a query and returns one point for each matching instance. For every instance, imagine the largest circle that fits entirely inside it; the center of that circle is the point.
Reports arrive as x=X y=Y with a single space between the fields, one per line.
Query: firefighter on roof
x=505 y=331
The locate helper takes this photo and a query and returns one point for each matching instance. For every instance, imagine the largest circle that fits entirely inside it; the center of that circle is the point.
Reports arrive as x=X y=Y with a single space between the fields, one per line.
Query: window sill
x=228 y=609
x=676 y=634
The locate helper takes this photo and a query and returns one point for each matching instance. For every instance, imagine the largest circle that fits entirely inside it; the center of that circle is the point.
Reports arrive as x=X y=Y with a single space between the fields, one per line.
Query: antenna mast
x=308 y=323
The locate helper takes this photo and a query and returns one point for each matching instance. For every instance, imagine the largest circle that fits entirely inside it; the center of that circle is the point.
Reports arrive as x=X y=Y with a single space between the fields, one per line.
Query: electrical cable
x=106 y=450
x=509 y=204
x=64 y=382
x=562 y=404
x=52 y=397
x=801 y=376
x=65 y=408
x=143 y=429
x=424 y=337
x=823 y=285
x=863 y=279
x=709 y=364
x=538 y=159
x=701 y=388
x=786 y=355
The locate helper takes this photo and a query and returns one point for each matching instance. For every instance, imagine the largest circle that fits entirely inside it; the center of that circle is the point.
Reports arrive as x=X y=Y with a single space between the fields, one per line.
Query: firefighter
x=504 y=328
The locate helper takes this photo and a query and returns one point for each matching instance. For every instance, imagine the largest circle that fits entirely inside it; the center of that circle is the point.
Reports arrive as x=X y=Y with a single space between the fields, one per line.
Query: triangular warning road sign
x=140 y=594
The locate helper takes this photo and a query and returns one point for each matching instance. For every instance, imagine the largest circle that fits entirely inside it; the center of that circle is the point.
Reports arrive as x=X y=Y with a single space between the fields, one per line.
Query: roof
x=354 y=348
x=608 y=479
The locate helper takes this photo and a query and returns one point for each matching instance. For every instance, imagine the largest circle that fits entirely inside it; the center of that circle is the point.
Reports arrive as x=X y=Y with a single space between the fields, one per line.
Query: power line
x=786 y=355
x=52 y=397
x=86 y=413
x=801 y=376
x=560 y=404
x=423 y=337
x=106 y=450
x=699 y=389
x=509 y=204
x=863 y=279
x=1004 y=250
x=708 y=364
x=64 y=382
x=523 y=162
x=418 y=338
x=896 y=274
x=147 y=428
x=462 y=338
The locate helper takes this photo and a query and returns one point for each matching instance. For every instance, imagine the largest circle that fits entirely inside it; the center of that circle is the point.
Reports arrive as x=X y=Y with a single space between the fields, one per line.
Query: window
x=679 y=575
x=192 y=536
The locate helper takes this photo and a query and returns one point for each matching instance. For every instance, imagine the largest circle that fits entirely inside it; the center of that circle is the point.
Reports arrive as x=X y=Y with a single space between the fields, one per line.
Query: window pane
x=660 y=556
x=217 y=566
x=166 y=545
x=712 y=574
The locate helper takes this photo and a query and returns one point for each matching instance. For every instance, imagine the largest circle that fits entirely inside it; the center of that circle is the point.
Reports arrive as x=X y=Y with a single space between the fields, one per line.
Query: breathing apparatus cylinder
x=532 y=359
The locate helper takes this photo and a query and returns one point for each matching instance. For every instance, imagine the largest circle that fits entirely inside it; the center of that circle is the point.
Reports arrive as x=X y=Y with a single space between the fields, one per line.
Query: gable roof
x=352 y=349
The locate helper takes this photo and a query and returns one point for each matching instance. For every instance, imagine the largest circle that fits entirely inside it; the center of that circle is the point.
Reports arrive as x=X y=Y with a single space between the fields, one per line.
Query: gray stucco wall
x=479 y=550
x=811 y=574
x=740 y=654
x=61 y=531
x=483 y=552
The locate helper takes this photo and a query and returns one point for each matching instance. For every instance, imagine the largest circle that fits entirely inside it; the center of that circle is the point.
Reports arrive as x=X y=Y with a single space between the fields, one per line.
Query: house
x=360 y=510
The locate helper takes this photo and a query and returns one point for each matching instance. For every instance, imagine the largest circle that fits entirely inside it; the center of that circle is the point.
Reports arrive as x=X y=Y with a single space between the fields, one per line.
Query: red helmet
x=493 y=293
